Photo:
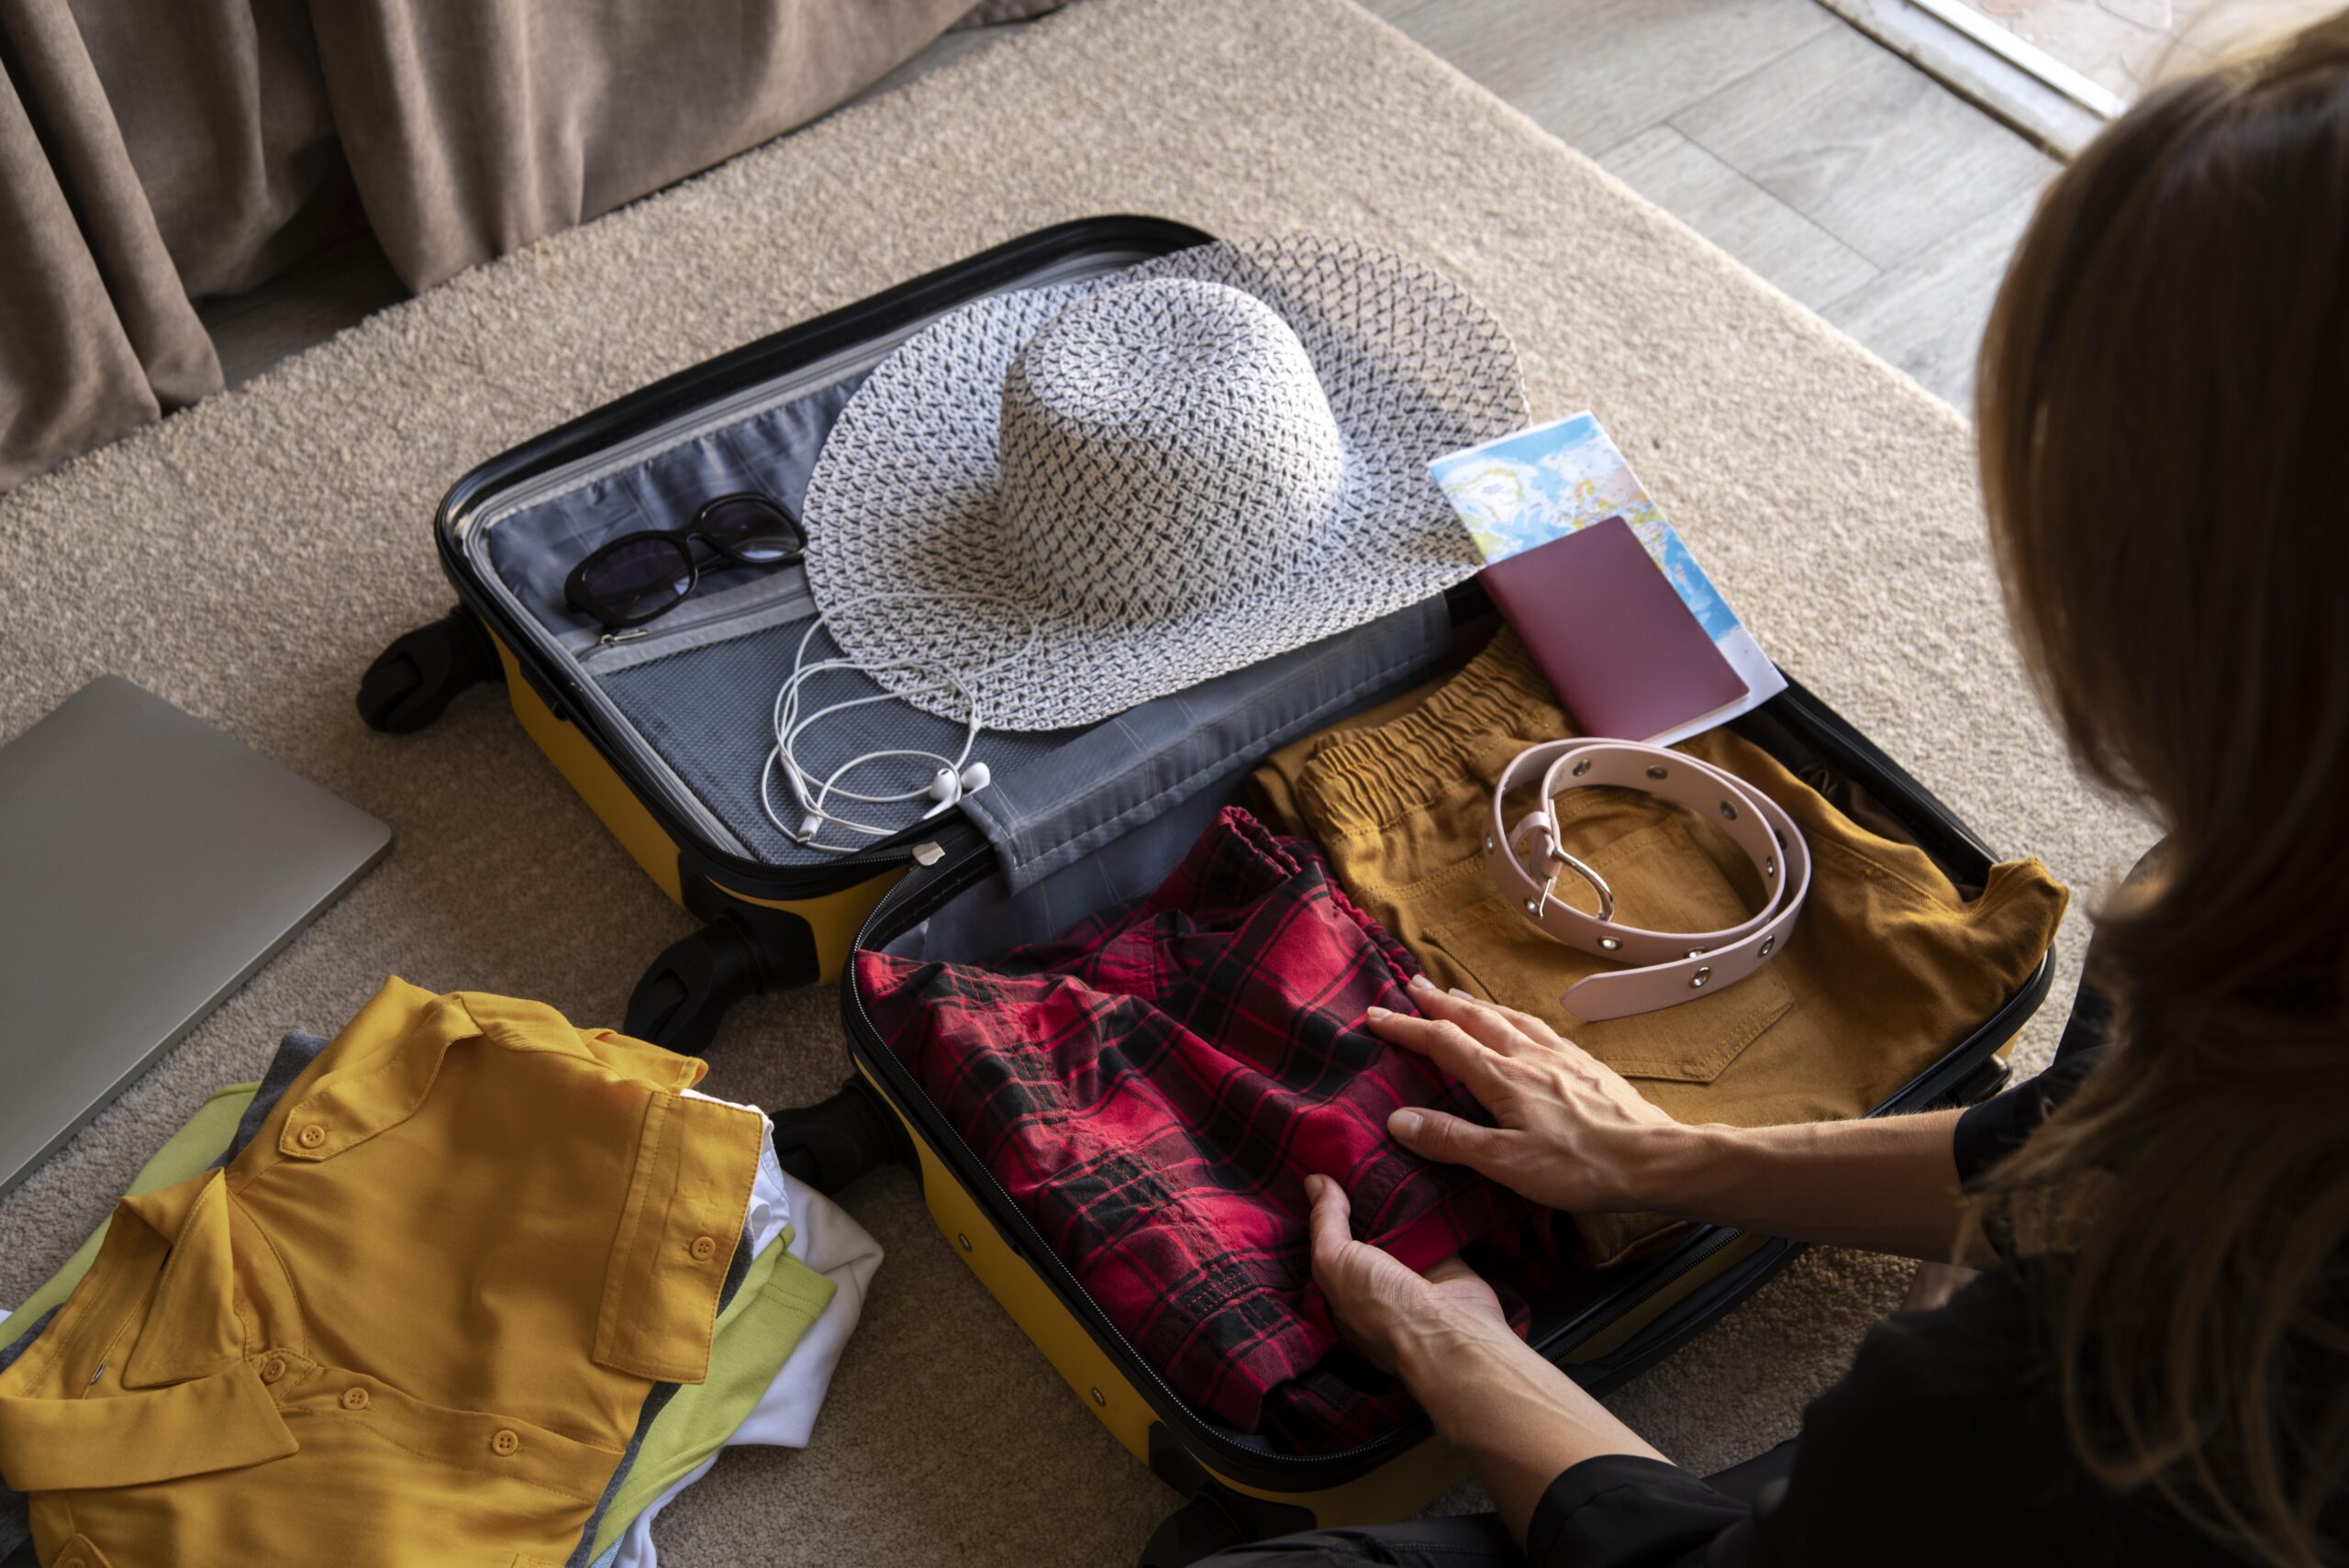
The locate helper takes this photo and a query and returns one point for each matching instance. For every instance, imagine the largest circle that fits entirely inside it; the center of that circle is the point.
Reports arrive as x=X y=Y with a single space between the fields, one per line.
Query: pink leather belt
x=1667 y=967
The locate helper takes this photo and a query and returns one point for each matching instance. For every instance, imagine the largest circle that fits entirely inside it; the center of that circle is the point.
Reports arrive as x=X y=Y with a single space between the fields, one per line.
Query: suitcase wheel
x=741 y=949
x=412 y=682
x=681 y=998
x=1191 y=1532
x=1216 y=1518
x=831 y=1144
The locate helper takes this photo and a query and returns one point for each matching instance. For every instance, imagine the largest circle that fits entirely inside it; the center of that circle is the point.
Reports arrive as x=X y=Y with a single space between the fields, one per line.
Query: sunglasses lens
x=639 y=577
x=751 y=529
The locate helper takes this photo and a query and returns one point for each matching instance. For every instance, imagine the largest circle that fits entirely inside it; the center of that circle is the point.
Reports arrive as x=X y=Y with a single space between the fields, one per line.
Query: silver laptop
x=149 y=865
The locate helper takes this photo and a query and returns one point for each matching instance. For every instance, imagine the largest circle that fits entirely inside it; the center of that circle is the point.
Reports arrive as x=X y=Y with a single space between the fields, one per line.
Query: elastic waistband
x=1362 y=780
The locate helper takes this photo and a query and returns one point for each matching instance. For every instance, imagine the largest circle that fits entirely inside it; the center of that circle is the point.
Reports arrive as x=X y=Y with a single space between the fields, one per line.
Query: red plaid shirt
x=1153 y=1090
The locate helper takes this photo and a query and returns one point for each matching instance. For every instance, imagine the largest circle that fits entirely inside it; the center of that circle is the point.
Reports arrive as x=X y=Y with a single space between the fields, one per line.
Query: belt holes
x=1697 y=981
x=1728 y=812
x=1609 y=943
x=1770 y=866
x=1659 y=771
x=1767 y=944
x=1582 y=767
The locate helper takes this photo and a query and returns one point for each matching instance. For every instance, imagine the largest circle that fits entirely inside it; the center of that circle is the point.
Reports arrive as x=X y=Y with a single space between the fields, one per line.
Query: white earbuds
x=956 y=776
x=947 y=786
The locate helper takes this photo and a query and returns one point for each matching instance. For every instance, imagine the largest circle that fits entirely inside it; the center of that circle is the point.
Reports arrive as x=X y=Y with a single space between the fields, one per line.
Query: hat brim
x=904 y=558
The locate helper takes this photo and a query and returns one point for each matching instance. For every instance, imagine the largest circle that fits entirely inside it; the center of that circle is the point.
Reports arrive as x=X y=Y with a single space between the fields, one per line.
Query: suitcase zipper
x=781 y=600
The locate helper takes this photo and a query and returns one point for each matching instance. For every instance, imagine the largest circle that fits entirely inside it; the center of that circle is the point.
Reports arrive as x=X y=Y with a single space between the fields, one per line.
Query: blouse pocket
x=1663 y=882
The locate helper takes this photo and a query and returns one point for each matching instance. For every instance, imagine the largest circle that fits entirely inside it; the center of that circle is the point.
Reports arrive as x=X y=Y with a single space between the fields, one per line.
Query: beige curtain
x=154 y=152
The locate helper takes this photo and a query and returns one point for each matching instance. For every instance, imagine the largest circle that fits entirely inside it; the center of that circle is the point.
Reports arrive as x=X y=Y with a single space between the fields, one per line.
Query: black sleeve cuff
x=1618 y=1511
x=1991 y=1132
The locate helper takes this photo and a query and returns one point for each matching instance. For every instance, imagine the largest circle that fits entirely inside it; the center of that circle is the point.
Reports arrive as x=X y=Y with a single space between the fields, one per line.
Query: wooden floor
x=1825 y=162
x=1822 y=160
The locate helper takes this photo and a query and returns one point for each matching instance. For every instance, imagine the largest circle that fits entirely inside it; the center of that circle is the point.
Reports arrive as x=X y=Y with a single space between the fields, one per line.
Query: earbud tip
x=976 y=776
x=945 y=785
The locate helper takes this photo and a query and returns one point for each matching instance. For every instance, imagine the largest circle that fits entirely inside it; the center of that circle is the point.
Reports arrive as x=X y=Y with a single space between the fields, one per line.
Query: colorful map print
x=1539 y=484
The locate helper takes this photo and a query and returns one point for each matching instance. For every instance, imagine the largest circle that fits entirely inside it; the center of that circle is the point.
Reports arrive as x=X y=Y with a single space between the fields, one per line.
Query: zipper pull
x=613 y=638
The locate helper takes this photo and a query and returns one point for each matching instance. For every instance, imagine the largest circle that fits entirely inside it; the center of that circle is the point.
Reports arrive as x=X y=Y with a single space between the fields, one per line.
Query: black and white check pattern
x=1181 y=469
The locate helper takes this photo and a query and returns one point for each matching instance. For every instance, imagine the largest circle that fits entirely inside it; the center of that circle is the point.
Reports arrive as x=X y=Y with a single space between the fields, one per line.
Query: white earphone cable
x=957 y=776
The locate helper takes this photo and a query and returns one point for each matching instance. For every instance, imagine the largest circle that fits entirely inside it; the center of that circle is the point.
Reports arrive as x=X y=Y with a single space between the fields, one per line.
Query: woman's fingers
x=1492 y=1027
x=1329 y=1224
x=1444 y=1043
x=1439 y=1135
x=1488 y=1019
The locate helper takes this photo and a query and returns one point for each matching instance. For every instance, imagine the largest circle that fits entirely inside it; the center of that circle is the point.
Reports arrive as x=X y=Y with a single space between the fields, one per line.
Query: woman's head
x=2163 y=413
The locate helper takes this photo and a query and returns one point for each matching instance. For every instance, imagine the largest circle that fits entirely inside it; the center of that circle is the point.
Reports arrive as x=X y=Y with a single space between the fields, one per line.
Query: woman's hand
x=1520 y=1422
x=1383 y=1308
x=1573 y=1134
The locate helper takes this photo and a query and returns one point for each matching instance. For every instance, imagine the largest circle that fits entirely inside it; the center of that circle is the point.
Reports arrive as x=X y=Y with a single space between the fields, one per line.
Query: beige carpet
x=247 y=558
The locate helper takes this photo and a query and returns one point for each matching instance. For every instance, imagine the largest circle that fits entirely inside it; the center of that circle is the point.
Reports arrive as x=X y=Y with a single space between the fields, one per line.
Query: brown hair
x=2164 y=416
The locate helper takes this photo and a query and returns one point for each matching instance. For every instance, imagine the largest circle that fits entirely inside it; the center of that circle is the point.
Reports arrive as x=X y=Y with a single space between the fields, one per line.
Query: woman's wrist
x=1677 y=1169
x=1519 y=1422
x=1450 y=1366
x=1885 y=1183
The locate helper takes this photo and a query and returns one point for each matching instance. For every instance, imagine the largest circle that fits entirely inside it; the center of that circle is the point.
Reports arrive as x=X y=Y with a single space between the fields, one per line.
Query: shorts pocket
x=1663 y=881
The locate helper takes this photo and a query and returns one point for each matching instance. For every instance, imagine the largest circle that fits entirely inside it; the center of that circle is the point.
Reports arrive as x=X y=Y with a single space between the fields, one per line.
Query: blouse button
x=354 y=1399
x=504 y=1443
x=311 y=1136
x=703 y=1249
x=273 y=1369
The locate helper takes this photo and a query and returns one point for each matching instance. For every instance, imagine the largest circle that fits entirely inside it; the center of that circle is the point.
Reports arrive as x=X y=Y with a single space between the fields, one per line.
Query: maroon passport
x=1606 y=626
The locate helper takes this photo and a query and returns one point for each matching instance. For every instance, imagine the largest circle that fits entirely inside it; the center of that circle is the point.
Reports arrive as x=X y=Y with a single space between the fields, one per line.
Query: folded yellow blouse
x=414 y=1321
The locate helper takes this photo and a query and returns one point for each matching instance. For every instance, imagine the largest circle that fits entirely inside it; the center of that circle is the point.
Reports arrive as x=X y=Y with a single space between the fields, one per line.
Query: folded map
x=1528 y=488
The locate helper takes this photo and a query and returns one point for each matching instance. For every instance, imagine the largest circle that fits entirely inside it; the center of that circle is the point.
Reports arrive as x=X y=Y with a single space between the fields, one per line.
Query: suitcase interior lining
x=706 y=711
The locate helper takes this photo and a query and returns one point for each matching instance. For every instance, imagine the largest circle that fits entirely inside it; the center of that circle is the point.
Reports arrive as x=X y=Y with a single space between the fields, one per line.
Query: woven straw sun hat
x=1078 y=497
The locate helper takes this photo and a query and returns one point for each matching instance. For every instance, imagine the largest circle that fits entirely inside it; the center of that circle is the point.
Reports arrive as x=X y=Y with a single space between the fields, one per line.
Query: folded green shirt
x=756 y=1334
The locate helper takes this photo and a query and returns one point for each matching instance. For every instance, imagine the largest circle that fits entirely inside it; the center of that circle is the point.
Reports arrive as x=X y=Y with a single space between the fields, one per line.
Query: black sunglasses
x=640 y=576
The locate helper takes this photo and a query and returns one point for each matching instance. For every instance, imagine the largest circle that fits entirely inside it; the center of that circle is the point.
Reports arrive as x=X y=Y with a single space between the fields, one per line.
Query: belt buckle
x=1560 y=860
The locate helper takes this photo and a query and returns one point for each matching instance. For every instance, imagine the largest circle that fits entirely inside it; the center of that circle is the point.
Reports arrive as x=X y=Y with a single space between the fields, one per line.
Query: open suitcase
x=1087 y=818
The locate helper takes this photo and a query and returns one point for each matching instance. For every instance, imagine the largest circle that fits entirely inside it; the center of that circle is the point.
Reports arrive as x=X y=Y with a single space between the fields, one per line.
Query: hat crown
x=1165 y=448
